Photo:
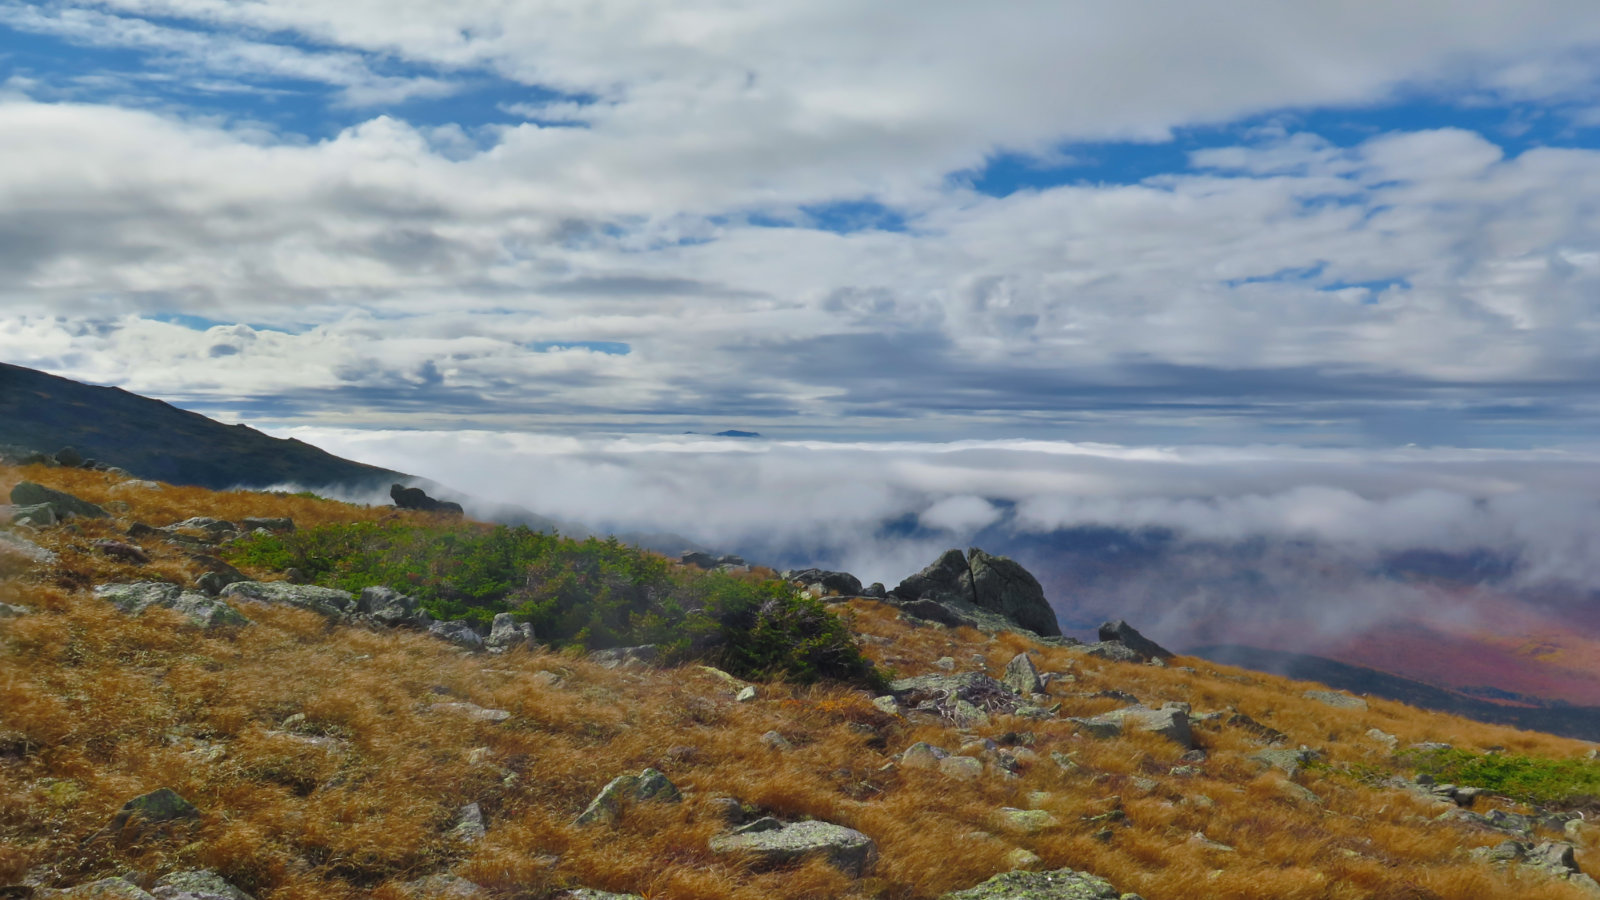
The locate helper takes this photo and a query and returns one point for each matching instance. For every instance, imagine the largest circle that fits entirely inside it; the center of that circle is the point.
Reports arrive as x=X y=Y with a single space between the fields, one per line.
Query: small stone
x=1022 y=675
x=774 y=843
x=961 y=768
x=1022 y=858
x=777 y=741
x=469 y=827
x=745 y=695
x=444 y=887
x=472 y=711
x=1026 y=821
x=159 y=807
x=200 y=884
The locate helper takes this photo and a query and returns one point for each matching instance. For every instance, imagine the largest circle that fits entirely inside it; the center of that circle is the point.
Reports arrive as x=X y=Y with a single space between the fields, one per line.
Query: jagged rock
x=746 y=694
x=627 y=657
x=69 y=457
x=1171 y=722
x=200 y=884
x=444 y=887
x=697 y=559
x=607 y=806
x=206 y=612
x=875 y=590
x=388 y=606
x=1383 y=737
x=276 y=525
x=215 y=529
x=458 y=633
x=469 y=827
x=940 y=581
x=146 y=811
x=1060 y=884
x=1130 y=637
x=327 y=602
x=64 y=505
x=104 y=889
x=1336 y=699
x=1022 y=675
x=218 y=574
x=507 y=633
x=416 y=498
x=772 y=843
x=1002 y=585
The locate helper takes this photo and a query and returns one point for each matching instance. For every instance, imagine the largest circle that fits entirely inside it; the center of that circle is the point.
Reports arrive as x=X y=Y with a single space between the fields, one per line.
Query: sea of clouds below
x=1312 y=525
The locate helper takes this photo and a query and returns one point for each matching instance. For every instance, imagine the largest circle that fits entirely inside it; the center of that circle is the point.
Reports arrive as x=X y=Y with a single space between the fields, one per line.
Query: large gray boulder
x=158 y=808
x=389 y=606
x=1002 y=585
x=64 y=505
x=458 y=633
x=416 y=498
x=507 y=633
x=1022 y=675
x=978 y=589
x=329 y=603
x=204 y=611
x=769 y=842
x=200 y=884
x=822 y=582
x=1061 y=884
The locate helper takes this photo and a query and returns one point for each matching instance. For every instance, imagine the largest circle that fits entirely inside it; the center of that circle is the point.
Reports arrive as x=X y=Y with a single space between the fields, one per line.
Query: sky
x=433 y=232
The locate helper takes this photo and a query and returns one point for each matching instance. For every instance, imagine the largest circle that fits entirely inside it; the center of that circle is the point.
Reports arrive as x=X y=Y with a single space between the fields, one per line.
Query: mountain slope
x=158 y=441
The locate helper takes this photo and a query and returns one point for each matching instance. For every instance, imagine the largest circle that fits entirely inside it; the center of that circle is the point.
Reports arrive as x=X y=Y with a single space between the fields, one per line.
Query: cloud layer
x=798 y=218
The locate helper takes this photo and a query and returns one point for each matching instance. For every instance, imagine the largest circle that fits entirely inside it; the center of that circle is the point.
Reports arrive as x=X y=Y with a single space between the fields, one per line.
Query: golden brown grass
x=358 y=797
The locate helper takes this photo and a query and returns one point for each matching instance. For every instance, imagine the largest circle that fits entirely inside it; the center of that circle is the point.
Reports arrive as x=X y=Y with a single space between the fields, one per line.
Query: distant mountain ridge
x=159 y=441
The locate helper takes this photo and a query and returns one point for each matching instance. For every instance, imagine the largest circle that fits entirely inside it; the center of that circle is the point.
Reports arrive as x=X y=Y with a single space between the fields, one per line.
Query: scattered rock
x=961 y=768
x=507 y=633
x=472 y=711
x=417 y=498
x=469 y=827
x=64 y=505
x=1060 y=884
x=592 y=894
x=123 y=551
x=821 y=583
x=1290 y=761
x=458 y=633
x=39 y=515
x=329 y=603
x=776 y=741
x=1170 y=722
x=1022 y=858
x=1129 y=637
x=773 y=843
x=1384 y=738
x=627 y=657
x=144 y=813
x=104 y=889
x=1116 y=651
x=746 y=694
x=922 y=755
x=607 y=806
x=1025 y=821
x=200 y=884
x=135 y=485
x=444 y=887
x=277 y=525
x=1262 y=733
x=1022 y=675
x=206 y=612
x=1336 y=699
x=17 y=554
x=963 y=698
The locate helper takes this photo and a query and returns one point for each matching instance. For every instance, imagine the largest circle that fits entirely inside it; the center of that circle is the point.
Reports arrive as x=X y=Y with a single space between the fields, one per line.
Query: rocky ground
x=173 y=726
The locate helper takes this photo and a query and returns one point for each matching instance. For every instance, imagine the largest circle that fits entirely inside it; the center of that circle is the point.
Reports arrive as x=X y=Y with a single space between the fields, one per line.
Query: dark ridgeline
x=158 y=441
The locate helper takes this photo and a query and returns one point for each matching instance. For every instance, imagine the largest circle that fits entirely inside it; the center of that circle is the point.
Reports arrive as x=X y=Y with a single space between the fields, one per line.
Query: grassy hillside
x=329 y=761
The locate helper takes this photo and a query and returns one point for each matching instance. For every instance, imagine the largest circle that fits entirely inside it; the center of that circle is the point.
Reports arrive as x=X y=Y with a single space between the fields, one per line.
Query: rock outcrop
x=416 y=498
x=769 y=842
x=202 y=610
x=63 y=505
x=1061 y=884
x=976 y=588
x=326 y=602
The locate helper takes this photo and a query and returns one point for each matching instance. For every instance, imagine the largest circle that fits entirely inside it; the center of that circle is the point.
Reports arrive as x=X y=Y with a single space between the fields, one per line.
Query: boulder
x=143 y=813
x=940 y=581
x=822 y=582
x=326 y=602
x=215 y=529
x=922 y=755
x=768 y=842
x=458 y=633
x=1022 y=675
x=1061 y=884
x=1290 y=761
x=121 y=550
x=1129 y=637
x=64 y=505
x=626 y=657
x=1002 y=585
x=204 y=611
x=69 y=457
x=607 y=806
x=17 y=554
x=416 y=498
x=12 y=611
x=472 y=711
x=507 y=633
x=387 y=606
x=961 y=768
x=1171 y=722
x=218 y=573
x=1116 y=651
x=698 y=559
x=199 y=884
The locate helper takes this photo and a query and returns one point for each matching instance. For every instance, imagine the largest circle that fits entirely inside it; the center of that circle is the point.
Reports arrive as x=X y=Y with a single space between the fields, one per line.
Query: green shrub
x=591 y=593
x=1546 y=782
